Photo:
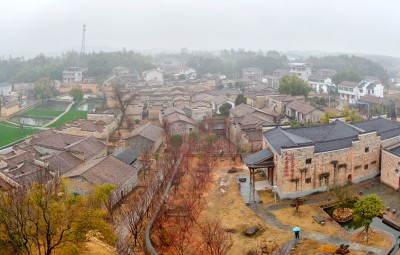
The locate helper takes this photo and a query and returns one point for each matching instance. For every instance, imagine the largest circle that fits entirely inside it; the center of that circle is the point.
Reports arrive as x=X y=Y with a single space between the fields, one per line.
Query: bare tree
x=133 y=216
x=123 y=99
x=2 y=101
x=217 y=241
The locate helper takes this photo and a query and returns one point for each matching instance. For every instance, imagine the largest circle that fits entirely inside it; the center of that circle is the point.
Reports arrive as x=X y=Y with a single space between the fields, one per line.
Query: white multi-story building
x=302 y=70
x=369 y=87
x=353 y=91
x=348 y=90
x=73 y=75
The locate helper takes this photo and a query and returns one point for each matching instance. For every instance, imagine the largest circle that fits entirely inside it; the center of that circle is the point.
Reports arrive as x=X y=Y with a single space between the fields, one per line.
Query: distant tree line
x=232 y=62
x=97 y=64
x=353 y=67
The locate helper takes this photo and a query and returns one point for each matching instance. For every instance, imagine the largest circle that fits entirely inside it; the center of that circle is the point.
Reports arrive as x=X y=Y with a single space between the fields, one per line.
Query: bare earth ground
x=304 y=219
x=311 y=247
x=376 y=238
x=95 y=246
x=234 y=214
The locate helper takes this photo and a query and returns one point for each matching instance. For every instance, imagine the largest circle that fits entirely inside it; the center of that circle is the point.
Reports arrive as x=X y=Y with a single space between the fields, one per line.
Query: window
x=351 y=90
x=366 y=167
x=308 y=161
x=366 y=149
x=373 y=162
x=357 y=167
x=308 y=180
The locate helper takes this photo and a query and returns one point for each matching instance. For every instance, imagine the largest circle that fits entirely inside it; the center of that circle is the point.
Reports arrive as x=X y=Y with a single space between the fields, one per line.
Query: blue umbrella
x=296 y=229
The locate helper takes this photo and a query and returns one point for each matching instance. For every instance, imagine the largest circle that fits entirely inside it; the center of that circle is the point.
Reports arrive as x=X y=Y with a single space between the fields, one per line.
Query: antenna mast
x=83 y=40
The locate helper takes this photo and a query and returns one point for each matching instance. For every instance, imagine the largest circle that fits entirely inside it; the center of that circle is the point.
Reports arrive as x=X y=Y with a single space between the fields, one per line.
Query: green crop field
x=42 y=113
x=10 y=133
x=72 y=114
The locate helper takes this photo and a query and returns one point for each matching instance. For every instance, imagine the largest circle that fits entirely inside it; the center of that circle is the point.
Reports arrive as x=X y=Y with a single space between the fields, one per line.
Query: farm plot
x=10 y=133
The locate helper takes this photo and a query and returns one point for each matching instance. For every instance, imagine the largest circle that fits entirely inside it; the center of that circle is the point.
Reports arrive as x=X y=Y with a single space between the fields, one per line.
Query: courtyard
x=331 y=233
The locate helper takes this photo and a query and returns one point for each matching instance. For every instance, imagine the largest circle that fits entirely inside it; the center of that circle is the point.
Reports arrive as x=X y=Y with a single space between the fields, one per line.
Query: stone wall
x=301 y=171
x=390 y=163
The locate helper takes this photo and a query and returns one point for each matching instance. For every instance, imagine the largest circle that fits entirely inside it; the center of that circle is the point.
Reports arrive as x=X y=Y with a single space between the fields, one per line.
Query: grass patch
x=10 y=133
x=71 y=115
x=41 y=113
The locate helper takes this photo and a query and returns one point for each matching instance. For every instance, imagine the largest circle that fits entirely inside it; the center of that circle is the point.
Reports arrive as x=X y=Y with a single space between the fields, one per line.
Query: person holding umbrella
x=296 y=231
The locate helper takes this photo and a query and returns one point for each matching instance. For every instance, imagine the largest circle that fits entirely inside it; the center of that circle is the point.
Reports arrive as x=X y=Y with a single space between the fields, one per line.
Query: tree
x=47 y=217
x=345 y=76
x=76 y=94
x=351 y=115
x=293 y=85
x=217 y=241
x=211 y=138
x=176 y=140
x=123 y=99
x=240 y=99
x=182 y=77
x=345 y=197
x=329 y=113
x=367 y=208
x=239 y=86
x=43 y=89
x=224 y=108
x=220 y=86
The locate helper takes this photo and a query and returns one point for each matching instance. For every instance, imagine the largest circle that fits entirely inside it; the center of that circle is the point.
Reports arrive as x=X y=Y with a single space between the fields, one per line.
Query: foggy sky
x=28 y=27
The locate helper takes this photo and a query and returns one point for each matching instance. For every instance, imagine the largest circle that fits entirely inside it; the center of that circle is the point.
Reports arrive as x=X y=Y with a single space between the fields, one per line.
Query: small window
x=308 y=180
x=308 y=161
x=357 y=167
x=366 y=167
x=373 y=162
x=366 y=149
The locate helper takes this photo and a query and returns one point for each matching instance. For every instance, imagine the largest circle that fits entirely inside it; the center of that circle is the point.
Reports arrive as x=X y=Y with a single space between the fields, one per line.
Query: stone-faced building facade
x=313 y=159
x=390 y=171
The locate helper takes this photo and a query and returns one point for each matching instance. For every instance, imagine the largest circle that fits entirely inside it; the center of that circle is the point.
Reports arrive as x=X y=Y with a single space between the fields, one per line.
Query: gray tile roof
x=149 y=131
x=279 y=138
x=300 y=107
x=395 y=149
x=379 y=125
x=127 y=155
x=327 y=132
x=62 y=162
x=258 y=156
x=333 y=136
x=110 y=170
x=89 y=147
